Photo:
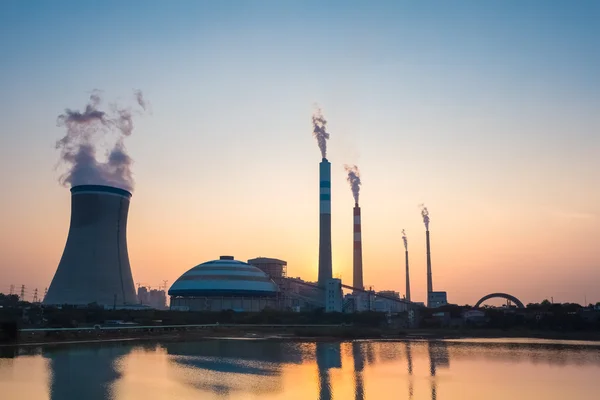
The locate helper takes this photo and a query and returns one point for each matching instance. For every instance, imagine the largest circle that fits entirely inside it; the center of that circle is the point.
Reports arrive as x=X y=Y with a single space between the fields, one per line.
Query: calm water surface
x=259 y=369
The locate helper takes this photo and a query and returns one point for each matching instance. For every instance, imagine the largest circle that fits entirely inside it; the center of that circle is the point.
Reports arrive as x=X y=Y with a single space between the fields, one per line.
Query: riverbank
x=287 y=333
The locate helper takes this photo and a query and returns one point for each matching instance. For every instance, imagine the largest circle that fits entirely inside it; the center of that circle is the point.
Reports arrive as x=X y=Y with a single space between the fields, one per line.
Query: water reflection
x=251 y=369
x=84 y=372
x=329 y=356
x=358 y=357
x=228 y=366
x=409 y=364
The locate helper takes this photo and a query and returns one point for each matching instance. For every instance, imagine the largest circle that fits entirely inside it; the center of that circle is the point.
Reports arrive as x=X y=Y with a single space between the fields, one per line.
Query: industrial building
x=224 y=284
x=94 y=267
x=437 y=299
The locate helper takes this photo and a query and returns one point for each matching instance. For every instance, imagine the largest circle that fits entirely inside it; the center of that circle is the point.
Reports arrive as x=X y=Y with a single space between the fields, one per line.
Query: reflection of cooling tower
x=357 y=281
x=95 y=264
x=88 y=373
x=325 y=270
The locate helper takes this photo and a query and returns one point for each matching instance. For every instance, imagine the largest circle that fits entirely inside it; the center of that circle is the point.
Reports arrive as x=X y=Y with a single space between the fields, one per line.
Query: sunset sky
x=487 y=112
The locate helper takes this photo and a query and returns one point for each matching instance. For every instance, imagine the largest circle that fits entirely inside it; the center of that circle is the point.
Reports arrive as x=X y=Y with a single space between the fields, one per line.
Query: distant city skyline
x=487 y=112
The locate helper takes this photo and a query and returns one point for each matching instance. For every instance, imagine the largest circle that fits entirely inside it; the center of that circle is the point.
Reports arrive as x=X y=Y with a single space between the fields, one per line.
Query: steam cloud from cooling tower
x=405 y=240
x=354 y=180
x=320 y=131
x=425 y=215
x=87 y=130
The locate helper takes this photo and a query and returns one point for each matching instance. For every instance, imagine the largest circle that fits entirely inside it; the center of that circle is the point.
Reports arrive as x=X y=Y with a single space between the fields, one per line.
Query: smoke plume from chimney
x=88 y=129
x=354 y=180
x=425 y=214
x=320 y=131
x=405 y=240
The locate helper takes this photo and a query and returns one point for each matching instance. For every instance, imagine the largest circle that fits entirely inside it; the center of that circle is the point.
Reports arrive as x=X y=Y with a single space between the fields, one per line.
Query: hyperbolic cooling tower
x=94 y=267
x=325 y=270
x=357 y=281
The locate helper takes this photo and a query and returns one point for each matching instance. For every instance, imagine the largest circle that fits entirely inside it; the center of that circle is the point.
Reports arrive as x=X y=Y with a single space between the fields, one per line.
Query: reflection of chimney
x=407 y=278
x=359 y=364
x=357 y=281
x=328 y=356
x=410 y=370
x=325 y=270
x=429 y=280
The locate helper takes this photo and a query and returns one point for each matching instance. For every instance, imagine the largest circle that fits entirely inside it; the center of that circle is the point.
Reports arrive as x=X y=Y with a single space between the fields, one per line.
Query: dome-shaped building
x=224 y=284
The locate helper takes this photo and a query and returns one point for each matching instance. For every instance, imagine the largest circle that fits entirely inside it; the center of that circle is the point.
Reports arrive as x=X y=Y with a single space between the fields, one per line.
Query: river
x=263 y=369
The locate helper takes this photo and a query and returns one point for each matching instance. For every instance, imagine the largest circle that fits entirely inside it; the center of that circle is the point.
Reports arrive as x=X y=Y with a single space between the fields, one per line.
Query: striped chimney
x=325 y=269
x=357 y=281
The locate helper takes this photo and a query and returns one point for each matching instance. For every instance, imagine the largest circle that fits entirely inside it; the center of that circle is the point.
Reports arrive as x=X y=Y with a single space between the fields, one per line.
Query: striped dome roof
x=223 y=277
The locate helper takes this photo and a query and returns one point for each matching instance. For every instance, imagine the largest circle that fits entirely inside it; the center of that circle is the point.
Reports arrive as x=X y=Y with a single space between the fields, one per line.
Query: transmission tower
x=12 y=290
x=35 y=298
x=22 y=292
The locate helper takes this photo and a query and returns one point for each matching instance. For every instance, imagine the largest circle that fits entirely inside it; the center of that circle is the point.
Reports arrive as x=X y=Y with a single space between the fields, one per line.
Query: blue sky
x=482 y=109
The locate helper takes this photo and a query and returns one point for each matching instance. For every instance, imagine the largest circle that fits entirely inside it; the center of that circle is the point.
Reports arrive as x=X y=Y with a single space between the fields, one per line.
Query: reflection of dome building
x=224 y=284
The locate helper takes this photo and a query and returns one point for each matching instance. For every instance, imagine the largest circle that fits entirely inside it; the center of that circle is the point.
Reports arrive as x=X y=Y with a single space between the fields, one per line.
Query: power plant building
x=437 y=299
x=273 y=267
x=224 y=284
x=94 y=267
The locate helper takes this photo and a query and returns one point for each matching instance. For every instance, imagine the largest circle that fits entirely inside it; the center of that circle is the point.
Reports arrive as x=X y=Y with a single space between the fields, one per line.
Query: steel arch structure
x=500 y=295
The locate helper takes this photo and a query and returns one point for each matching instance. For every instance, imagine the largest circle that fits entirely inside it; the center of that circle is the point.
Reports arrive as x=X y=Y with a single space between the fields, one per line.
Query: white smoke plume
x=405 y=239
x=139 y=96
x=425 y=215
x=85 y=132
x=320 y=131
x=354 y=180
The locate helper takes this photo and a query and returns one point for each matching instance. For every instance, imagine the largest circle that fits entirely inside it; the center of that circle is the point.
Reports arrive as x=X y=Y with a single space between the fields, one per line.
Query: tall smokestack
x=320 y=133
x=405 y=240
x=94 y=267
x=425 y=215
x=357 y=281
x=325 y=269
x=354 y=181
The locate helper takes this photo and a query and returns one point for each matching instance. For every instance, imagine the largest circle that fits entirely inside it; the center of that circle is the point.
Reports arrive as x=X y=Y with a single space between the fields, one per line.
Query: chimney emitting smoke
x=425 y=215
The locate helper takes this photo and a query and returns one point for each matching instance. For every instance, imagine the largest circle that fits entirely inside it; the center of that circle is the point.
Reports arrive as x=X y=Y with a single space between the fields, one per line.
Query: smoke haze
x=86 y=131
x=425 y=215
x=353 y=180
x=405 y=239
x=320 y=131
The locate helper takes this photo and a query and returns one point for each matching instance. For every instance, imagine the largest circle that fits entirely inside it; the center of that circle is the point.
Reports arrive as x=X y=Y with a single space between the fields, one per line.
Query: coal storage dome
x=223 y=277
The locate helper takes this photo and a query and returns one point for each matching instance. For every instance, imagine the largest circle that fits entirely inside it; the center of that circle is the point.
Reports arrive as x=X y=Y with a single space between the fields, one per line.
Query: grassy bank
x=325 y=333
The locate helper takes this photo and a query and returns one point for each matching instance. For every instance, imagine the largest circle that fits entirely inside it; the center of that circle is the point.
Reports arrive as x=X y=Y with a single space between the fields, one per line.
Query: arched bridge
x=500 y=295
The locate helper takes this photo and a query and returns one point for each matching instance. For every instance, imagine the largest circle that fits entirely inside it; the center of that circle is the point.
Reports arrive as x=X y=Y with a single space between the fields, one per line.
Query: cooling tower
x=325 y=270
x=407 y=278
x=357 y=281
x=94 y=267
x=429 y=281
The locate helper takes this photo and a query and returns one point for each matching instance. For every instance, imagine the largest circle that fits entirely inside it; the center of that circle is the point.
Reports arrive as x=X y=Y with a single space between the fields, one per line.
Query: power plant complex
x=94 y=268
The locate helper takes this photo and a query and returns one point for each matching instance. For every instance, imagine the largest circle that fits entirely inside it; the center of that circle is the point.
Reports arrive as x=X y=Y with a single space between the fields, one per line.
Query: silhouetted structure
x=325 y=269
x=94 y=267
x=357 y=277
